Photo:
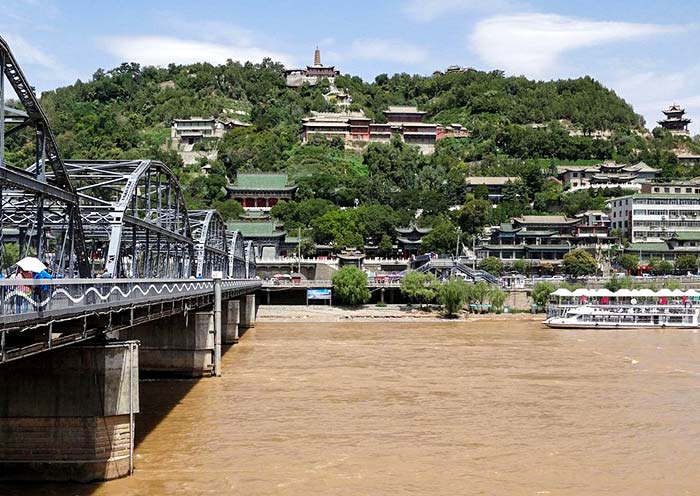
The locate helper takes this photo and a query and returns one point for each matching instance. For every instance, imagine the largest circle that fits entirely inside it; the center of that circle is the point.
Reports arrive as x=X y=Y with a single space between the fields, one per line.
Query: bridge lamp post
x=216 y=276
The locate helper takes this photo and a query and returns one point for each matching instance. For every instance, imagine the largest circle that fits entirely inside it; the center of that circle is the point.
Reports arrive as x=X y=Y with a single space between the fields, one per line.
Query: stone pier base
x=248 y=311
x=65 y=414
x=230 y=317
x=177 y=346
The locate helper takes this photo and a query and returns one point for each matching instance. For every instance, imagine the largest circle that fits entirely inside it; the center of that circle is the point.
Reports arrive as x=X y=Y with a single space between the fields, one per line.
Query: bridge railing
x=28 y=299
x=324 y=283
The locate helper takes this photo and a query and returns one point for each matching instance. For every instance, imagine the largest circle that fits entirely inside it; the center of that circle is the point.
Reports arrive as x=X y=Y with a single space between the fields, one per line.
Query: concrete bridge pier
x=68 y=414
x=230 y=319
x=249 y=310
x=178 y=346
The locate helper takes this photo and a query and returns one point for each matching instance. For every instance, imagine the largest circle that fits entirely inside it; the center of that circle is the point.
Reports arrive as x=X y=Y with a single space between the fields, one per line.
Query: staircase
x=440 y=266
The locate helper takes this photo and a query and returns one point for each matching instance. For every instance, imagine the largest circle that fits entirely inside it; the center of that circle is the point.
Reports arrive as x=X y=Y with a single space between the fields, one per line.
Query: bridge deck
x=36 y=315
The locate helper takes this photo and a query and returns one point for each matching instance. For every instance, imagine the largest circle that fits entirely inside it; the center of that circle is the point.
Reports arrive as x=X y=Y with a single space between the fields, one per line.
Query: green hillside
x=518 y=127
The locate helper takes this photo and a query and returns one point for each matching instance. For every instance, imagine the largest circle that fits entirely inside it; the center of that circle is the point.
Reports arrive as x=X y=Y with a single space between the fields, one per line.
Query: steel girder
x=211 y=243
x=134 y=216
x=251 y=265
x=38 y=202
x=236 y=255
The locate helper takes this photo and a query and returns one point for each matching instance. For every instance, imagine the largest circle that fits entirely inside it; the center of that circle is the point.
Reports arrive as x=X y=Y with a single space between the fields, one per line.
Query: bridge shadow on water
x=158 y=396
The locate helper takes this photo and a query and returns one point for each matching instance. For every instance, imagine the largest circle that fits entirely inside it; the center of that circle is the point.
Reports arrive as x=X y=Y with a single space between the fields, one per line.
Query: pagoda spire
x=317 y=57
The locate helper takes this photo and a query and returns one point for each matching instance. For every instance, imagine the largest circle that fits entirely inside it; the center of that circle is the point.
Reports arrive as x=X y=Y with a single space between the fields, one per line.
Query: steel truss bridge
x=116 y=234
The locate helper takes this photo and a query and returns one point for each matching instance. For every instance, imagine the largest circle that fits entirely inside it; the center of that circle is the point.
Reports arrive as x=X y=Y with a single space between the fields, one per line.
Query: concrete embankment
x=325 y=313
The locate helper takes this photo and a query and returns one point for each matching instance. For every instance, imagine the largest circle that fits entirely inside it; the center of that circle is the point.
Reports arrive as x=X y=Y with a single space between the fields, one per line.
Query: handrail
x=29 y=299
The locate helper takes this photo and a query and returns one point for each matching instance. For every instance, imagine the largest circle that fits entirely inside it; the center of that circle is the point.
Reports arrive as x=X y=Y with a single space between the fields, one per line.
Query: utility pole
x=299 y=247
x=474 y=252
x=459 y=235
x=216 y=276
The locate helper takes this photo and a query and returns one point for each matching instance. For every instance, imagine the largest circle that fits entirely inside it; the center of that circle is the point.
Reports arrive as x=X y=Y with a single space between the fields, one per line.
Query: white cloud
x=650 y=92
x=532 y=44
x=388 y=50
x=28 y=54
x=428 y=10
x=163 y=50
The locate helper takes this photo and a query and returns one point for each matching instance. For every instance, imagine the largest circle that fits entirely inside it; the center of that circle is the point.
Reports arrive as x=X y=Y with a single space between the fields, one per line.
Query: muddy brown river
x=389 y=408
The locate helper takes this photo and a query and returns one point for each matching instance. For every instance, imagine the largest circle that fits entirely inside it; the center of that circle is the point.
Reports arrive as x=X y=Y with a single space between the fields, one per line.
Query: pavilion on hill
x=675 y=120
x=261 y=191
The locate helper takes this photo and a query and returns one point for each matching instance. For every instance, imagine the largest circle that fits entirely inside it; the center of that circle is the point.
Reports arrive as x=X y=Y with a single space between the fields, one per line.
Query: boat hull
x=608 y=325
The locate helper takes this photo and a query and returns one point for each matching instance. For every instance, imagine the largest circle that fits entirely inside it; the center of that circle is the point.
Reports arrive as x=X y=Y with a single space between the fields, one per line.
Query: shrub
x=497 y=297
x=350 y=286
x=419 y=288
x=541 y=292
x=452 y=295
x=492 y=265
x=579 y=263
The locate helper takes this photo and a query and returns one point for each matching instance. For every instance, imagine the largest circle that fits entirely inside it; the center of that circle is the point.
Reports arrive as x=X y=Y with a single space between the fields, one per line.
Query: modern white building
x=605 y=175
x=655 y=217
x=185 y=132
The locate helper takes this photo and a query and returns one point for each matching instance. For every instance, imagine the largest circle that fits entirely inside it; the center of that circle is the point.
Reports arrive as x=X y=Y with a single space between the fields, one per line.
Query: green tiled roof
x=261 y=181
x=687 y=235
x=537 y=233
x=508 y=227
x=254 y=229
x=647 y=247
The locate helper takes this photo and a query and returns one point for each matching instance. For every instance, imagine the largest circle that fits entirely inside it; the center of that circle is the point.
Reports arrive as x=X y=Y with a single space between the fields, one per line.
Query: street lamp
x=459 y=235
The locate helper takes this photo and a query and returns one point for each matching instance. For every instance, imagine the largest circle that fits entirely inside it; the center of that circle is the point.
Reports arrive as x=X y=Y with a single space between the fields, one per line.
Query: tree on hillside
x=350 y=286
x=629 y=262
x=687 y=263
x=229 y=209
x=520 y=266
x=492 y=265
x=442 y=239
x=579 y=262
x=474 y=216
x=386 y=246
x=660 y=267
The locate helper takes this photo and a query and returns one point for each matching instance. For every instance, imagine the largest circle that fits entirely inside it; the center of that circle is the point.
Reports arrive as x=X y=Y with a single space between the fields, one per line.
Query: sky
x=645 y=50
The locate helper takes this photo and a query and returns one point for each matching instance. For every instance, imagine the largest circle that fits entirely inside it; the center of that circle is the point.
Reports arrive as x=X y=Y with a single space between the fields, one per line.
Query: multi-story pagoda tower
x=675 y=121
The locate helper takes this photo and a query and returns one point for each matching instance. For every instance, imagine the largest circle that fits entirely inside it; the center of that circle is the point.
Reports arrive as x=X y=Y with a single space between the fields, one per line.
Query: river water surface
x=389 y=408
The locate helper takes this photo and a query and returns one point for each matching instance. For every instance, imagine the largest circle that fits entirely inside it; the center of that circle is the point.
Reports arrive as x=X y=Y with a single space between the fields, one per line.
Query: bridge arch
x=251 y=264
x=39 y=208
x=135 y=219
x=236 y=255
x=211 y=243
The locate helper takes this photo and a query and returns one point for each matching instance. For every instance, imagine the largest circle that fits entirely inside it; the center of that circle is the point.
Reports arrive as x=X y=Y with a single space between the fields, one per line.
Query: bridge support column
x=230 y=317
x=68 y=414
x=175 y=346
x=248 y=311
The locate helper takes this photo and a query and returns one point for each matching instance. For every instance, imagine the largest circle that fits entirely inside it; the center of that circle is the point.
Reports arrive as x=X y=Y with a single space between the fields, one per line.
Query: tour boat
x=643 y=308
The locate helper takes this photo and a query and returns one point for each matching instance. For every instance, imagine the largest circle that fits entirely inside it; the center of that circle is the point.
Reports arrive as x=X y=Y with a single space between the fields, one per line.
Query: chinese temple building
x=605 y=175
x=312 y=74
x=356 y=129
x=409 y=239
x=545 y=238
x=494 y=185
x=675 y=120
x=261 y=191
x=269 y=237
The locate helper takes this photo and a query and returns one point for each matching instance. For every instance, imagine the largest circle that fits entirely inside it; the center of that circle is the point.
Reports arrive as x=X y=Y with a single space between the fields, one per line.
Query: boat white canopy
x=562 y=292
x=625 y=293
